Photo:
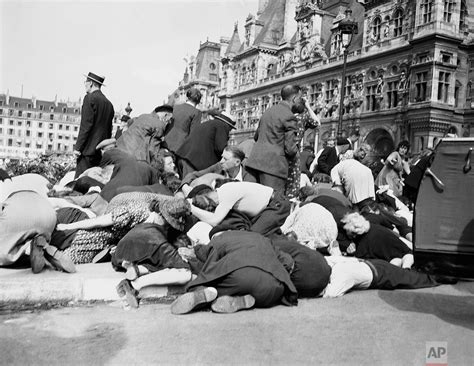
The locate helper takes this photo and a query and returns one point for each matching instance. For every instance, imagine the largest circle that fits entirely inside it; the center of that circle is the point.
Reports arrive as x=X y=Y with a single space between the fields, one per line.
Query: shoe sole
x=37 y=260
x=232 y=304
x=124 y=289
x=190 y=300
x=59 y=260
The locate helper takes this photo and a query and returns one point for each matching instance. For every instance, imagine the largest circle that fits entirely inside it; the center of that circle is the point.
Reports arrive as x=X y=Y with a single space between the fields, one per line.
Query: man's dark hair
x=322 y=178
x=305 y=192
x=289 y=91
x=194 y=95
x=236 y=152
x=204 y=202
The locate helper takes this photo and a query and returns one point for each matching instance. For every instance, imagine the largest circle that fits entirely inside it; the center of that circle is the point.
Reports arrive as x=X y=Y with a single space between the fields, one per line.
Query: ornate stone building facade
x=203 y=72
x=409 y=67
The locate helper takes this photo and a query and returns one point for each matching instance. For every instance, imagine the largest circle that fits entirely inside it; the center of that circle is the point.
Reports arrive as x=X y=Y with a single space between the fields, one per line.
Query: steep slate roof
x=273 y=19
x=234 y=43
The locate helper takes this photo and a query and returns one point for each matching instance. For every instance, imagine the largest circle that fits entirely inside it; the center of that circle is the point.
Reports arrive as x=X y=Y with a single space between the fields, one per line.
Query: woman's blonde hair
x=355 y=223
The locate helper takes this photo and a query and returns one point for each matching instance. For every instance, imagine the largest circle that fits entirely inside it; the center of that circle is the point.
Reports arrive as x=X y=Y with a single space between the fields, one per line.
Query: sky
x=139 y=46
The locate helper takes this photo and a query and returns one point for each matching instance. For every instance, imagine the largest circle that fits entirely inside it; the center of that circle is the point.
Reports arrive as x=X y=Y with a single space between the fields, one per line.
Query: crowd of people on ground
x=168 y=201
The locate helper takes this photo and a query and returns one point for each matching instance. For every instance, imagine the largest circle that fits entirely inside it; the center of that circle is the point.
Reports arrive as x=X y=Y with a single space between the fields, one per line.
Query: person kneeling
x=240 y=270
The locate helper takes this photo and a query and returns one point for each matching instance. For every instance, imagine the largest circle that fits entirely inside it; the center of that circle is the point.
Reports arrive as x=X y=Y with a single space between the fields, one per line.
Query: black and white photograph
x=237 y=182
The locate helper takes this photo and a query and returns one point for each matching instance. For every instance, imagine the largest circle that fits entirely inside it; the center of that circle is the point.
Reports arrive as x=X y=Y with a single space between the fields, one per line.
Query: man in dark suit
x=205 y=144
x=330 y=156
x=96 y=124
x=276 y=140
x=185 y=118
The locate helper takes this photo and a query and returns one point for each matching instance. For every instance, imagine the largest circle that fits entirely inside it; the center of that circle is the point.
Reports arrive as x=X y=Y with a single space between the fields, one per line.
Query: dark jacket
x=233 y=250
x=276 y=141
x=96 y=122
x=204 y=145
x=327 y=160
x=128 y=171
x=311 y=272
x=185 y=119
x=143 y=137
x=306 y=159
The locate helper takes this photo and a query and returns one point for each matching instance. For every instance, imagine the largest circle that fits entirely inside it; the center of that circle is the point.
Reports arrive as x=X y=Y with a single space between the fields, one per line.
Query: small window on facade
x=443 y=86
x=446 y=58
x=51 y=117
x=426 y=7
x=398 y=23
x=376 y=26
x=16 y=104
x=41 y=107
x=421 y=83
x=448 y=10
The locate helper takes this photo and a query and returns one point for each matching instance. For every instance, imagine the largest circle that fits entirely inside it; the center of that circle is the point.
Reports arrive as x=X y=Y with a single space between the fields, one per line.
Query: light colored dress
x=391 y=174
x=313 y=225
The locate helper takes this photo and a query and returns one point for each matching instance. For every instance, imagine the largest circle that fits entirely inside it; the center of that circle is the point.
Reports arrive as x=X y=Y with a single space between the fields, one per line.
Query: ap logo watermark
x=436 y=354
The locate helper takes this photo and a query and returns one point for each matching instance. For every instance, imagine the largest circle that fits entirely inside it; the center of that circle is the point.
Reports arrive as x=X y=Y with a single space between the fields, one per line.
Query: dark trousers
x=277 y=183
x=390 y=277
x=273 y=216
x=265 y=288
x=85 y=162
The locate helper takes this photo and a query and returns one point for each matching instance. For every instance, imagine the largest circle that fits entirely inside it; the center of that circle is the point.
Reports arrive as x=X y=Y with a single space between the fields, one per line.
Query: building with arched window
x=409 y=67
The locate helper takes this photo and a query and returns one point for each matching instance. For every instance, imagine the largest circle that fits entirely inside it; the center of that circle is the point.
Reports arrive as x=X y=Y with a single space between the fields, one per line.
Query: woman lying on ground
x=373 y=241
x=313 y=226
x=124 y=212
x=147 y=255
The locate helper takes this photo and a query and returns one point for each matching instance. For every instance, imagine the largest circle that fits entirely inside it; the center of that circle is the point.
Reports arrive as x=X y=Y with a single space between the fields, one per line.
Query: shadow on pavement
x=96 y=346
x=457 y=310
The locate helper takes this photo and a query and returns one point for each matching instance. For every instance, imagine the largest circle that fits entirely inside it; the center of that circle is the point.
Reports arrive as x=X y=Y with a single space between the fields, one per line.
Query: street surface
x=362 y=328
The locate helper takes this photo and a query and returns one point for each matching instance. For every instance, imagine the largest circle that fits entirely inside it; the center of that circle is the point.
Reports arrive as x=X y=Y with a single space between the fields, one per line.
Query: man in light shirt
x=265 y=208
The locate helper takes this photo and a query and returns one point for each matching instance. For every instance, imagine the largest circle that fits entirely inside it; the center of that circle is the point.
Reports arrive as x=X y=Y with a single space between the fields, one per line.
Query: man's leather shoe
x=58 y=259
x=190 y=300
x=37 y=260
x=231 y=304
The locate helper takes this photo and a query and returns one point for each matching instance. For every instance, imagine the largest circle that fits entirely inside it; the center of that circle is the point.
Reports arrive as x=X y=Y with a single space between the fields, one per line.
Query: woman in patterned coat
x=122 y=214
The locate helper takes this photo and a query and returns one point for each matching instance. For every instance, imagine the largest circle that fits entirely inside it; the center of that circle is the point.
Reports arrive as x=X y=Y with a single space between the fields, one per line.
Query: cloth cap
x=174 y=210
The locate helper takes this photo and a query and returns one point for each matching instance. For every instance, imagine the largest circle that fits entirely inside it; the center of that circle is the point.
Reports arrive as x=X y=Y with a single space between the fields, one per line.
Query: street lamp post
x=347 y=27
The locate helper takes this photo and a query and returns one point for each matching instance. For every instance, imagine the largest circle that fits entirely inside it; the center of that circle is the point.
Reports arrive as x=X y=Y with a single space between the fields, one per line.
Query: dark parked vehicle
x=444 y=211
